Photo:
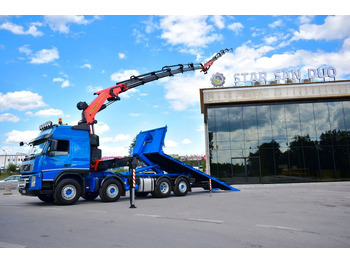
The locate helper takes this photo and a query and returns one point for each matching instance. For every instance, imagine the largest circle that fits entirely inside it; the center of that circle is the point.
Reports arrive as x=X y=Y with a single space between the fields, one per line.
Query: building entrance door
x=246 y=170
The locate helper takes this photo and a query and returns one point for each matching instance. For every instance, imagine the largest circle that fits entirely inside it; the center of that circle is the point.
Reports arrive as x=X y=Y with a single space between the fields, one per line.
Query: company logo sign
x=322 y=72
x=217 y=80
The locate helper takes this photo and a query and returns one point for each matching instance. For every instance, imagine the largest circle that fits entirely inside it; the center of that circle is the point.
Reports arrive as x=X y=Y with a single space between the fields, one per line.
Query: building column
x=207 y=151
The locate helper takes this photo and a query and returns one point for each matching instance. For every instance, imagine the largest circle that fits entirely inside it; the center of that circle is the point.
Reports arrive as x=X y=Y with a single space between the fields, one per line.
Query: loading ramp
x=149 y=149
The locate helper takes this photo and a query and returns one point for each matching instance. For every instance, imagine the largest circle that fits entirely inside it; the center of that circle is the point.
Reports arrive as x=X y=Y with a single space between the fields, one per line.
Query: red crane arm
x=111 y=94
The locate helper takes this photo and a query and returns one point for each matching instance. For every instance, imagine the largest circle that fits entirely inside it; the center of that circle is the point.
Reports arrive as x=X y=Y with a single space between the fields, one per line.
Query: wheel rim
x=69 y=192
x=112 y=191
x=182 y=186
x=164 y=187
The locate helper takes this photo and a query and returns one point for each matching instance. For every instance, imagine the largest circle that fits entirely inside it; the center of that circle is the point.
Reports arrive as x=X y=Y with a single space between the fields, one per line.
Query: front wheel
x=110 y=190
x=67 y=192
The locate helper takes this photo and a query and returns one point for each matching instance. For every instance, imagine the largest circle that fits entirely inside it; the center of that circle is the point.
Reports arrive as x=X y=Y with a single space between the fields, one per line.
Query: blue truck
x=65 y=163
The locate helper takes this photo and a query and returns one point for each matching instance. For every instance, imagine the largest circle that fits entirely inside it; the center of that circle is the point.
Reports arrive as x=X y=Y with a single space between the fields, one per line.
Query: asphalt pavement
x=310 y=215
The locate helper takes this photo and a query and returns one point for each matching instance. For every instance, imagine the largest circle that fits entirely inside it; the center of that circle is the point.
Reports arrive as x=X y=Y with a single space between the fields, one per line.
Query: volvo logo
x=217 y=80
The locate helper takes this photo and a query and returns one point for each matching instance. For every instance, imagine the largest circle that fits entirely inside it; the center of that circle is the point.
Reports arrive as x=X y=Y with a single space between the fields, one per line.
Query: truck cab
x=62 y=153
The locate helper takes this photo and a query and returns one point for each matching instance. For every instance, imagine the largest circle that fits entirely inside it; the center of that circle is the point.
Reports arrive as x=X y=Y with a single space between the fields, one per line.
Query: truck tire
x=163 y=188
x=67 y=192
x=46 y=198
x=181 y=187
x=110 y=190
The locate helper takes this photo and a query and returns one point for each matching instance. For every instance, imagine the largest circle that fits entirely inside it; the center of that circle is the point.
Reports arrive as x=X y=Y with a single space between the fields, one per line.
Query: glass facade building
x=292 y=141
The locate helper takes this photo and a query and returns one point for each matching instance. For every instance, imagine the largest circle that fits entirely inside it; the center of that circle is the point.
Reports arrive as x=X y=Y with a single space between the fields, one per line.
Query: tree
x=11 y=168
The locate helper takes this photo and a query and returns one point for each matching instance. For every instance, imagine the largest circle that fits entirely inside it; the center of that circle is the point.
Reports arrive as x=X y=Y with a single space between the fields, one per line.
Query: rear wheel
x=110 y=190
x=67 y=192
x=181 y=187
x=163 y=188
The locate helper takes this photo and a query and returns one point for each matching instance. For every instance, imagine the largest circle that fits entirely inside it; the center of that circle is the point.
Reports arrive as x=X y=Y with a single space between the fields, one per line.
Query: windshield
x=36 y=147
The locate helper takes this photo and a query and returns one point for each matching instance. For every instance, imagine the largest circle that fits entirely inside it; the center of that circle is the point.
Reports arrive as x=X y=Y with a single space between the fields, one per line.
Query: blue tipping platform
x=149 y=149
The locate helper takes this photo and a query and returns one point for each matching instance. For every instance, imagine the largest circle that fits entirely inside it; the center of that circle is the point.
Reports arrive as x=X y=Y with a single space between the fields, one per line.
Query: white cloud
x=19 y=30
x=46 y=113
x=65 y=83
x=121 y=137
x=101 y=127
x=114 y=151
x=150 y=25
x=189 y=31
x=219 y=21
x=121 y=55
x=86 y=66
x=236 y=27
x=44 y=56
x=58 y=79
x=61 y=23
x=140 y=37
x=20 y=100
x=16 y=136
x=170 y=143
x=186 y=141
x=93 y=89
x=334 y=27
x=124 y=75
x=25 y=49
x=121 y=148
x=183 y=90
x=305 y=19
x=277 y=23
x=41 y=57
x=7 y=117
x=270 y=39
x=129 y=93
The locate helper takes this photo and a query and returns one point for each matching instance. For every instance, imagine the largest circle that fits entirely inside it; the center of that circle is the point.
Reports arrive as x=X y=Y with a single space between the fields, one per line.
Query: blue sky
x=49 y=63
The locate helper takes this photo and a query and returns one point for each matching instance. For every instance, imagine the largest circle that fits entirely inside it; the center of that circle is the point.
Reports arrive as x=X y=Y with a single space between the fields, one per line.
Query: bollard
x=132 y=179
x=210 y=187
x=132 y=191
x=7 y=190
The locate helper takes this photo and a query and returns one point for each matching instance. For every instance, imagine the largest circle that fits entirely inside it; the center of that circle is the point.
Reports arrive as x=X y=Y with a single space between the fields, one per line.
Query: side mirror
x=21 y=144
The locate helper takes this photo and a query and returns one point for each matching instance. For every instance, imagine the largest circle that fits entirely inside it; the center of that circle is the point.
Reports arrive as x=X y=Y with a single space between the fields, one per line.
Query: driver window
x=62 y=146
x=59 y=148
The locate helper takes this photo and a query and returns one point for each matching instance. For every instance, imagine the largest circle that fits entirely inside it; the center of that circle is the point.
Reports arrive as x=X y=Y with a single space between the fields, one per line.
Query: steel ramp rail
x=148 y=148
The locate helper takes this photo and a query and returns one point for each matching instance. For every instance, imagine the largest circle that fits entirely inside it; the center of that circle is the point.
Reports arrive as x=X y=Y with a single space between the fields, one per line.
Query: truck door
x=57 y=158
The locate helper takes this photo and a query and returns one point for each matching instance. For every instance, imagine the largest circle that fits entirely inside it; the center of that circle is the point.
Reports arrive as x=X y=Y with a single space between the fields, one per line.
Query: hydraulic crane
x=111 y=94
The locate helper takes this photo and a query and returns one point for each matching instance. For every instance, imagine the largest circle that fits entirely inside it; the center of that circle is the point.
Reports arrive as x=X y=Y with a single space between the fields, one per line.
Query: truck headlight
x=32 y=182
